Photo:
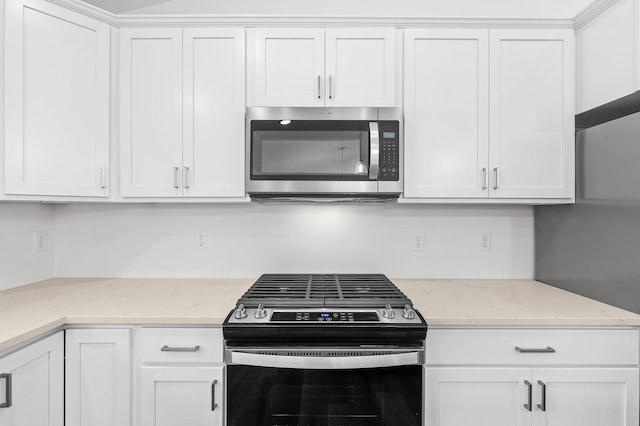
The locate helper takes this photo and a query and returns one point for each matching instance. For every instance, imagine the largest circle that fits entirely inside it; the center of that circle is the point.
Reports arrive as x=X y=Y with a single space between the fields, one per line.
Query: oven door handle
x=326 y=362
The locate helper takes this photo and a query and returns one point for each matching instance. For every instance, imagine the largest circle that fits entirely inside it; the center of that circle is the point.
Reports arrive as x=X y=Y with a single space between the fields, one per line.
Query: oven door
x=328 y=387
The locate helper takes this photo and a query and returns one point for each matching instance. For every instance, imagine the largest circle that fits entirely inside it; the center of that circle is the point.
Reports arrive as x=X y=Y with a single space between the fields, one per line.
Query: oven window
x=286 y=397
x=308 y=153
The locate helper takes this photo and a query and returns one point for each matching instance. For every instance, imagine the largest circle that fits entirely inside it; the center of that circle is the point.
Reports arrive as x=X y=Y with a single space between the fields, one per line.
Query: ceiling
x=538 y=9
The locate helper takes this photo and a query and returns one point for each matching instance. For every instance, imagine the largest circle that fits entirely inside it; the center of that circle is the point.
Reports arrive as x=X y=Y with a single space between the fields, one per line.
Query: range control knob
x=240 y=312
x=408 y=312
x=261 y=312
x=388 y=313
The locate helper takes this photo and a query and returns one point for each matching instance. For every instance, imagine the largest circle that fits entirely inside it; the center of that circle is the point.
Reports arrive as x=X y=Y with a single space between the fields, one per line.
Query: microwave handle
x=374 y=151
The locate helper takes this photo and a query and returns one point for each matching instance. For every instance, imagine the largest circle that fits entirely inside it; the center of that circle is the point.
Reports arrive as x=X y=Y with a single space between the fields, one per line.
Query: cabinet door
x=151 y=112
x=586 y=397
x=56 y=101
x=289 y=67
x=532 y=113
x=476 y=396
x=98 y=377
x=446 y=113
x=360 y=67
x=36 y=387
x=214 y=103
x=182 y=396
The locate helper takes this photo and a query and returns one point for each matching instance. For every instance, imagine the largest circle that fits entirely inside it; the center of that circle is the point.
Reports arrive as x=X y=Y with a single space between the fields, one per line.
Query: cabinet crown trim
x=307 y=21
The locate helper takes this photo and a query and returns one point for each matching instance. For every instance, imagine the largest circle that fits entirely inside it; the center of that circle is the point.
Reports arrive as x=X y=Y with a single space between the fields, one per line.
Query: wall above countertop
x=159 y=240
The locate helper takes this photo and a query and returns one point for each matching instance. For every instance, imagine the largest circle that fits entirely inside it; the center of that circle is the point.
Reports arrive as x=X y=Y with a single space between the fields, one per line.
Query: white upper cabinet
x=56 y=101
x=151 y=112
x=531 y=110
x=608 y=47
x=317 y=67
x=182 y=112
x=213 y=112
x=489 y=114
x=446 y=113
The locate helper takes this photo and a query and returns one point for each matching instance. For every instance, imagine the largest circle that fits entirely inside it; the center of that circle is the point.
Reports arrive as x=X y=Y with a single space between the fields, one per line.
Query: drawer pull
x=543 y=396
x=547 y=350
x=213 y=395
x=529 y=386
x=7 y=387
x=166 y=348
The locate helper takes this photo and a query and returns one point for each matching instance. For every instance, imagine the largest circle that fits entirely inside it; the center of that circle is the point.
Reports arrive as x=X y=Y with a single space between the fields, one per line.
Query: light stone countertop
x=29 y=311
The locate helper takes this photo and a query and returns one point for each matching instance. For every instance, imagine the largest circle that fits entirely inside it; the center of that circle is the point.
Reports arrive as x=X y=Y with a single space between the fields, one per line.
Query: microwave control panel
x=389 y=150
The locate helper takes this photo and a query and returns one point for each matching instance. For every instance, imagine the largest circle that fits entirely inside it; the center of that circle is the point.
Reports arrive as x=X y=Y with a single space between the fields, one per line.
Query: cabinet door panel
x=98 y=378
x=56 y=101
x=181 y=395
x=37 y=384
x=476 y=396
x=214 y=94
x=151 y=112
x=360 y=67
x=289 y=67
x=446 y=113
x=531 y=112
x=587 y=397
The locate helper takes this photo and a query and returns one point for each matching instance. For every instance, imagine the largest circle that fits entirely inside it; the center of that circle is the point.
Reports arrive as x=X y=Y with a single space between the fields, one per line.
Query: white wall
x=156 y=240
x=19 y=263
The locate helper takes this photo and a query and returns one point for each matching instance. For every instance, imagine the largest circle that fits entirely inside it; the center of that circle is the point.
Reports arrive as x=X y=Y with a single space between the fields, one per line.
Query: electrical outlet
x=40 y=241
x=202 y=242
x=417 y=243
x=484 y=242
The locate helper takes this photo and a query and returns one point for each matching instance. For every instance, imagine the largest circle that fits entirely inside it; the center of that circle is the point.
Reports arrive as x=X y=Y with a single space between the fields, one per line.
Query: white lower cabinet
x=32 y=384
x=532 y=377
x=181 y=376
x=173 y=395
x=98 y=377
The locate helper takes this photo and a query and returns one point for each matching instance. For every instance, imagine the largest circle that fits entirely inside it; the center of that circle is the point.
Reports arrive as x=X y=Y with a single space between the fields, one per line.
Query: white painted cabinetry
x=333 y=67
x=32 y=384
x=182 y=377
x=532 y=377
x=182 y=112
x=98 y=377
x=489 y=114
x=56 y=101
x=607 y=54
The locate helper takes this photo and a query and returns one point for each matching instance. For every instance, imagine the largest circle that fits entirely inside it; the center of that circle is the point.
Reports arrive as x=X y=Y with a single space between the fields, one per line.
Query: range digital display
x=324 y=316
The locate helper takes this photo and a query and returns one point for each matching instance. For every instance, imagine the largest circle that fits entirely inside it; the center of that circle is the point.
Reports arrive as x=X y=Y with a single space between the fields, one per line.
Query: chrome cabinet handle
x=103 y=177
x=496 y=172
x=7 y=390
x=166 y=348
x=176 y=171
x=529 y=386
x=318 y=87
x=330 y=87
x=485 y=181
x=374 y=166
x=186 y=178
x=543 y=396
x=547 y=350
x=213 y=395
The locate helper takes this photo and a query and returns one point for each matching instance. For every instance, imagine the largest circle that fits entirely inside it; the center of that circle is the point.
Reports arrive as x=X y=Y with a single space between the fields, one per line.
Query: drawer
x=556 y=346
x=183 y=344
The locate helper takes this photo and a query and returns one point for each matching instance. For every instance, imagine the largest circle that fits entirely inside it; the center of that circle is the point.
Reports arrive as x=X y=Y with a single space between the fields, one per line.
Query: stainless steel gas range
x=324 y=350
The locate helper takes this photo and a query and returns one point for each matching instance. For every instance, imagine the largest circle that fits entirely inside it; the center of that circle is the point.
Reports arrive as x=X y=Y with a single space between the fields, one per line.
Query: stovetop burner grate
x=331 y=290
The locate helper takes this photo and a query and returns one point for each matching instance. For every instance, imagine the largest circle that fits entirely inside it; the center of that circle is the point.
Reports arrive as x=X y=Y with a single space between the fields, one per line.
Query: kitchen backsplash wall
x=159 y=240
x=20 y=263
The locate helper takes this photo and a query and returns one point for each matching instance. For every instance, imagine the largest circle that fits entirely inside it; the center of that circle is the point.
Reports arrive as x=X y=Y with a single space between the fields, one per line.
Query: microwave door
x=310 y=155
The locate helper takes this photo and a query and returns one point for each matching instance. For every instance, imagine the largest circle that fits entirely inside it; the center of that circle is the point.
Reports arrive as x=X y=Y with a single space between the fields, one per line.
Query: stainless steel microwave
x=324 y=153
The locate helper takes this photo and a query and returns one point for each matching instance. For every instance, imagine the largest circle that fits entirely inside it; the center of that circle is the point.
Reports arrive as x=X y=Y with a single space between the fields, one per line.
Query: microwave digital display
x=389 y=135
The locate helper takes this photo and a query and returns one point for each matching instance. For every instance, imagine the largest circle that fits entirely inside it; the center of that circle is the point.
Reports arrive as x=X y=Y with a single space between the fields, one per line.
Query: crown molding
x=592 y=12
x=306 y=21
